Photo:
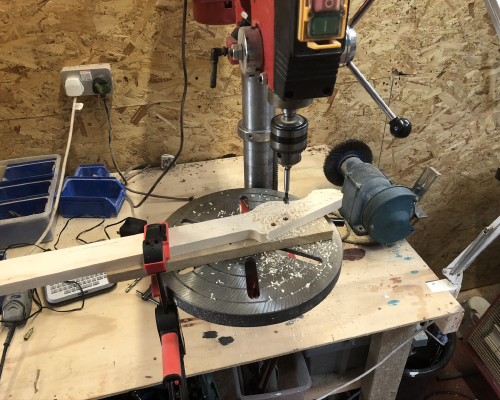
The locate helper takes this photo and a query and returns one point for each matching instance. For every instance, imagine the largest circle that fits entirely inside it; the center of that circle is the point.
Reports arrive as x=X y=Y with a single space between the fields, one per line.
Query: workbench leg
x=383 y=382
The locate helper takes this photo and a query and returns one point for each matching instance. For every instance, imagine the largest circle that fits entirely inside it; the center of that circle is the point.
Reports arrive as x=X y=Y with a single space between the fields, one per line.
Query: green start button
x=324 y=26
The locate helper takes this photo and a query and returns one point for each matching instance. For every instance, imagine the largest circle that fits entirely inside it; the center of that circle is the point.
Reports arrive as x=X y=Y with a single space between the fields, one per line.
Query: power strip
x=79 y=80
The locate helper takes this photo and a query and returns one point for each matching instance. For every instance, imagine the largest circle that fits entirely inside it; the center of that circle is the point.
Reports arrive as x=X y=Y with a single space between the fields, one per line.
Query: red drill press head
x=301 y=40
x=214 y=12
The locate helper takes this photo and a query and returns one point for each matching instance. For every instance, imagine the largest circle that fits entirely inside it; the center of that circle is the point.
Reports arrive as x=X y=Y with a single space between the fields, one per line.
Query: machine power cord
x=183 y=103
x=145 y=167
x=110 y=139
x=110 y=225
x=10 y=335
x=78 y=237
x=38 y=302
x=339 y=389
x=14 y=246
x=124 y=175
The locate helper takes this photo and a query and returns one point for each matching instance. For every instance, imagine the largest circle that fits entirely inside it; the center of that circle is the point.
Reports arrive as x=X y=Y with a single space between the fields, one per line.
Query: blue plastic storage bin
x=27 y=191
x=30 y=171
x=23 y=208
x=100 y=197
x=91 y=171
x=24 y=191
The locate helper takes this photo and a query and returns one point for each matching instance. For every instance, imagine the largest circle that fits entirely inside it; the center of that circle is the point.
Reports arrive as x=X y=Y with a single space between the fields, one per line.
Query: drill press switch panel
x=323 y=21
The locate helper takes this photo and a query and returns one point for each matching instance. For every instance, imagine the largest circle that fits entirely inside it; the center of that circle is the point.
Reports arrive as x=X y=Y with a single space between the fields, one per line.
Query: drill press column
x=254 y=129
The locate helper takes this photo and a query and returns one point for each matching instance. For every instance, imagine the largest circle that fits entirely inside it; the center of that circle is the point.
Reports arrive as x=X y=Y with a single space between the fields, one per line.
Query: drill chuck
x=289 y=138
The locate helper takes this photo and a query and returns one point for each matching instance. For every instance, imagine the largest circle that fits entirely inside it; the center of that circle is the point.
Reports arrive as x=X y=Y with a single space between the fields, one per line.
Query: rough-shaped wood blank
x=265 y=223
x=312 y=232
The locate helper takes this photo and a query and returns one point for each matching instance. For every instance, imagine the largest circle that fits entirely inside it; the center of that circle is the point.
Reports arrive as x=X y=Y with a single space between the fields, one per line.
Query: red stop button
x=327 y=5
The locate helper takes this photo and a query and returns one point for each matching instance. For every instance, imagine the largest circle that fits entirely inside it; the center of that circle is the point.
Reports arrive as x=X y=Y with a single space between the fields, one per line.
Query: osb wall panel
x=437 y=63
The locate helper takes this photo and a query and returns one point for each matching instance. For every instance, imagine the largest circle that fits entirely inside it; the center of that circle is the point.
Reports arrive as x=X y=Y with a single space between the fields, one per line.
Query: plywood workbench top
x=112 y=345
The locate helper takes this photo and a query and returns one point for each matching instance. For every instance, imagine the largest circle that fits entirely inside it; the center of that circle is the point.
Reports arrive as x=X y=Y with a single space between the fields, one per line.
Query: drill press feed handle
x=215 y=53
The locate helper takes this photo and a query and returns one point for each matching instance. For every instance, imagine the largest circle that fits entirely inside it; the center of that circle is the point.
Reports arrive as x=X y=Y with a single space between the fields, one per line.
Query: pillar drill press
x=289 y=52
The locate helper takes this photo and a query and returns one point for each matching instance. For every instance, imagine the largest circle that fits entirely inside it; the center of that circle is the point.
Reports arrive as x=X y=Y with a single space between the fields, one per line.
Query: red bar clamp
x=156 y=253
x=156 y=248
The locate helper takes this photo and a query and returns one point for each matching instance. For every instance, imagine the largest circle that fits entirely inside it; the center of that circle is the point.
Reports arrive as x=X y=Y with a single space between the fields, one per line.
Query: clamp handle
x=171 y=356
x=215 y=53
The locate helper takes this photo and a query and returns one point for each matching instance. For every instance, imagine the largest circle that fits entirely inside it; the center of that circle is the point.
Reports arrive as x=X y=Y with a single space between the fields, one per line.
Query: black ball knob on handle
x=400 y=127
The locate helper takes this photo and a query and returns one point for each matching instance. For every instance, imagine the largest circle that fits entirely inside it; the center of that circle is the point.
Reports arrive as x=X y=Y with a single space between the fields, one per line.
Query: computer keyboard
x=65 y=292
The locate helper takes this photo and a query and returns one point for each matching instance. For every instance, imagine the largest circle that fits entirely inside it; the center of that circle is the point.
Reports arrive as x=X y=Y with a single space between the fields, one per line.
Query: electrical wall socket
x=78 y=80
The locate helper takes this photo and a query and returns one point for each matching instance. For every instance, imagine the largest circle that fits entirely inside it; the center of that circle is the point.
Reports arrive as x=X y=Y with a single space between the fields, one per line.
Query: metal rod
x=361 y=11
x=147 y=298
x=371 y=91
x=129 y=287
x=470 y=253
x=435 y=338
x=287 y=184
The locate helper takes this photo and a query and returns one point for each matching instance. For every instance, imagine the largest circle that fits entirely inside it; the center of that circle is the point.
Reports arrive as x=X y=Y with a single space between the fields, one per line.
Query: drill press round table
x=290 y=283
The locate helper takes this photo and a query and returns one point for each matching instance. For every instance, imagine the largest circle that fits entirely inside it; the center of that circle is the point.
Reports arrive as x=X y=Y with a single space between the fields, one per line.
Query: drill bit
x=286 y=200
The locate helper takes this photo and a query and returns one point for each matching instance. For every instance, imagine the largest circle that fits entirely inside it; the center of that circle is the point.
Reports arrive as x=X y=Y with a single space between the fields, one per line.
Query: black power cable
x=110 y=225
x=124 y=175
x=14 y=246
x=78 y=239
x=10 y=335
x=110 y=139
x=38 y=302
x=183 y=103
x=78 y=236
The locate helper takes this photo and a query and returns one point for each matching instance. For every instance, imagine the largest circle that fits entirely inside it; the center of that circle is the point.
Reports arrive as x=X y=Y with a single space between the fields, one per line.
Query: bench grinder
x=372 y=204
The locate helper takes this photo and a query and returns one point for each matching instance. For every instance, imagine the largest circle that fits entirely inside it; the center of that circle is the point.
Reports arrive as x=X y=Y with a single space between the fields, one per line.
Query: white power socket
x=78 y=80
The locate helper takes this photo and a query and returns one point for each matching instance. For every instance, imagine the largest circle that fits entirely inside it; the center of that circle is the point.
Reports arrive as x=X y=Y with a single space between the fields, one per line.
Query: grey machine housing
x=372 y=205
